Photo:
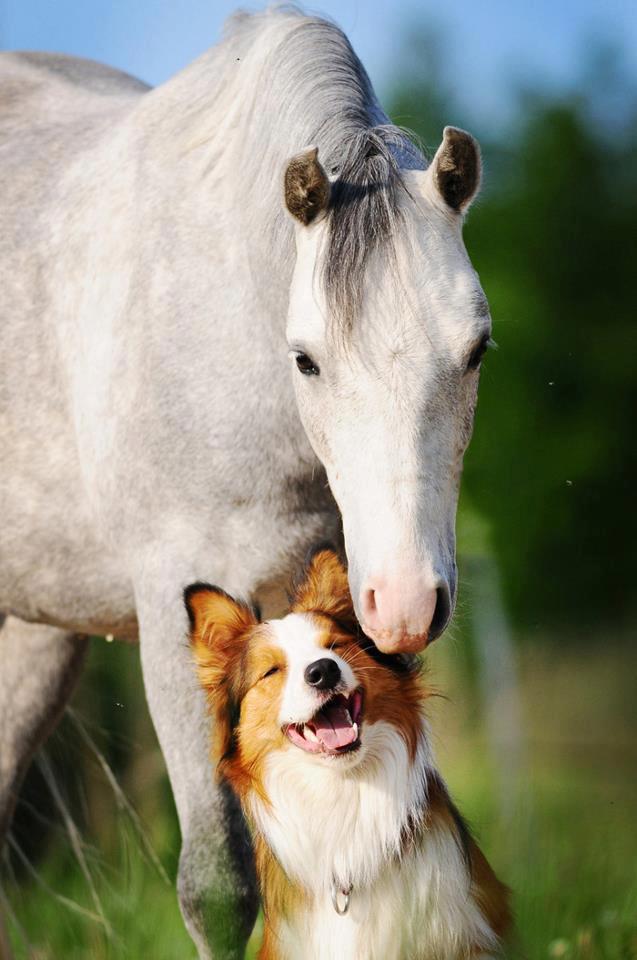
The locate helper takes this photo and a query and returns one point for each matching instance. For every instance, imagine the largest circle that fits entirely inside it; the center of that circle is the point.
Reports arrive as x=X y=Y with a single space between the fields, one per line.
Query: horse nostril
x=323 y=674
x=441 y=613
x=368 y=605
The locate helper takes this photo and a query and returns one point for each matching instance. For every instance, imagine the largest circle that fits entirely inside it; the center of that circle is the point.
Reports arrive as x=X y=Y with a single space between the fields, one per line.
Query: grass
x=555 y=814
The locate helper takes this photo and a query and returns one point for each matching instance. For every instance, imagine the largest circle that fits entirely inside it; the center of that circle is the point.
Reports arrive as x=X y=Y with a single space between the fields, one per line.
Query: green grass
x=556 y=818
x=568 y=850
x=561 y=829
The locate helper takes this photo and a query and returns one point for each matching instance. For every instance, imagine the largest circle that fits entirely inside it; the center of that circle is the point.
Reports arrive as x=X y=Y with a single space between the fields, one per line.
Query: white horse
x=162 y=423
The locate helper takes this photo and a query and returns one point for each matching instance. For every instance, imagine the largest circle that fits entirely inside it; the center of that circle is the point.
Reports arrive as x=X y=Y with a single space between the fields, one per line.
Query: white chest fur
x=408 y=901
x=418 y=910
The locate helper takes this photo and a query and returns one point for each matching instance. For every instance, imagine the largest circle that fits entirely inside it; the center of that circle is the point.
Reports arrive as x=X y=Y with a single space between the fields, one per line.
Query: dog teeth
x=309 y=734
x=355 y=729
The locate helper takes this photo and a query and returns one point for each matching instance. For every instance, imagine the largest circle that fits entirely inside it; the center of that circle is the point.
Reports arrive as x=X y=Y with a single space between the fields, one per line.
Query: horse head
x=386 y=330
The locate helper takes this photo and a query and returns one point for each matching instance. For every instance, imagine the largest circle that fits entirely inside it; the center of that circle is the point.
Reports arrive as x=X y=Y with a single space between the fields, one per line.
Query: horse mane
x=305 y=85
x=364 y=212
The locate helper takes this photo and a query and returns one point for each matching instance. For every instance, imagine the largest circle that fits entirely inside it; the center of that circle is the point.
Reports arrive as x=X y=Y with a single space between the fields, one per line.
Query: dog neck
x=333 y=823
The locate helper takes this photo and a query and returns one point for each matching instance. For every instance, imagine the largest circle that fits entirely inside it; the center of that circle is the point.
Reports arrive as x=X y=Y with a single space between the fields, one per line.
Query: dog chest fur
x=325 y=742
x=411 y=888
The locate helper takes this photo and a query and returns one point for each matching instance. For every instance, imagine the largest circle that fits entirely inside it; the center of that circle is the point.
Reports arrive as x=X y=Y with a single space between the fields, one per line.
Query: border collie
x=360 y=853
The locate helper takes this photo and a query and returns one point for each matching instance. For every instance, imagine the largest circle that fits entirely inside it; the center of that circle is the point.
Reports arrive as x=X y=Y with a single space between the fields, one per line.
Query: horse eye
x=270 y=672
x=477 y=353
x=306 y=365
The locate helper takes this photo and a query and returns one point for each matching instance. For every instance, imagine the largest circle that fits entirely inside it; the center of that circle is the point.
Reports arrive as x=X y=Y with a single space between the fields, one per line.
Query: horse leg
x=216 y=881
x=40 y=666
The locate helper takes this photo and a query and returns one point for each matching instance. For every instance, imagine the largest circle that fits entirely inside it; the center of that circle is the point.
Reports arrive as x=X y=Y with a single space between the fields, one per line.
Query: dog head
x=309 y=682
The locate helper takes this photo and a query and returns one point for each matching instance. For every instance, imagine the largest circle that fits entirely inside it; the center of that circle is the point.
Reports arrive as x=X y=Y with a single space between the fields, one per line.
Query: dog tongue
x=333 y=726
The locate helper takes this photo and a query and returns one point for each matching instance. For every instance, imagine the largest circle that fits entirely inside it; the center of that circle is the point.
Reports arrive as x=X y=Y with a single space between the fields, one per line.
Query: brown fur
x=243 y=673
x=235 y=657
x=492 y=896
x=324 y=588
x=216 y=622
x=283 y=896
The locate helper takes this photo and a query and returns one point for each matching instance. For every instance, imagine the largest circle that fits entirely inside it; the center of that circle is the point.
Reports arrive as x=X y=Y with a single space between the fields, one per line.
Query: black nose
x=442 y=613
x=323 y=674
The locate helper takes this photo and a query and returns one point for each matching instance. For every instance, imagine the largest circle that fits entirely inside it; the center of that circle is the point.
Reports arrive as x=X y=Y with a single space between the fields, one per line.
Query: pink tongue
x=333 y=727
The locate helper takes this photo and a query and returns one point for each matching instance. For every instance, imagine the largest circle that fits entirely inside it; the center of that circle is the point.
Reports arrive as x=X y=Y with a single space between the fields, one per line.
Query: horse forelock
x=364 y=214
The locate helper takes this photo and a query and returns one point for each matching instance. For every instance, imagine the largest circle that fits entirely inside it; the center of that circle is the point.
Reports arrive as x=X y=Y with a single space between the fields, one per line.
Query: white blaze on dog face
x=321 y=704
x=300 y=639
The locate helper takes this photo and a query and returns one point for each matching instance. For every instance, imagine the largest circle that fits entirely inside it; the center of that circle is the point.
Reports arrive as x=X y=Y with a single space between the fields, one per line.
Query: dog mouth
x=334 y=729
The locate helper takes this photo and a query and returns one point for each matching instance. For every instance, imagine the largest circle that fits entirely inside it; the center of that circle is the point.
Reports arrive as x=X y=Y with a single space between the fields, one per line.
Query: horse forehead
x=431 y=255
x=431 y=296
x=422 y=314
x=418 y=290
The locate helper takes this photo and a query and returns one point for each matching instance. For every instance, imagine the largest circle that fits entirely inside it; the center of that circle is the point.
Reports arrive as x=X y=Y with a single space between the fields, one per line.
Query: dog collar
x=341 y=906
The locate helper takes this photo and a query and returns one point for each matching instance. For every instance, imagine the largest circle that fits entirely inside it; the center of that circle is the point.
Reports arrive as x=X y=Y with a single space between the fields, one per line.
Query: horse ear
x=306 y=187
x=324 y=588
x=456 y=168
x=218 y=625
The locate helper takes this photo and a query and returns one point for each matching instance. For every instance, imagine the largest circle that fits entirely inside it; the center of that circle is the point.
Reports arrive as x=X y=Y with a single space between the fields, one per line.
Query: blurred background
x=537 y=731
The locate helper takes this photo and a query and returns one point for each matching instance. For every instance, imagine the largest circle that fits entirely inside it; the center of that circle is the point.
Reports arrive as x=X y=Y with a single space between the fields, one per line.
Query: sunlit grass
x=557 y=821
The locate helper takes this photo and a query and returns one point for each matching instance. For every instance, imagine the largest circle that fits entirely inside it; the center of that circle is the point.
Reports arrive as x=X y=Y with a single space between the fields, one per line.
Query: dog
x=360 y=852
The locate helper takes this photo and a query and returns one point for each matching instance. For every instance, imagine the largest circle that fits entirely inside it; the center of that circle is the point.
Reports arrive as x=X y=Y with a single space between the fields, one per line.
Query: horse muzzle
x=404 y=615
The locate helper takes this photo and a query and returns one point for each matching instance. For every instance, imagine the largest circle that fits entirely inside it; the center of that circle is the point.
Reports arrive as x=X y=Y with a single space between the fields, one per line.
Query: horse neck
x=235 y=116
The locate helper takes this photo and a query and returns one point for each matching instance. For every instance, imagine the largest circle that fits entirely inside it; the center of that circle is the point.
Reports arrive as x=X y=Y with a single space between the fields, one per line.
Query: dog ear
x=324 y=588
x=218 y=624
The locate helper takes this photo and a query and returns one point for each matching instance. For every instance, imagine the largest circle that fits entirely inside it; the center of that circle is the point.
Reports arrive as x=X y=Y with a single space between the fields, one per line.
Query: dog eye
x=306 y=365
x=478 y=352
x=270 y=672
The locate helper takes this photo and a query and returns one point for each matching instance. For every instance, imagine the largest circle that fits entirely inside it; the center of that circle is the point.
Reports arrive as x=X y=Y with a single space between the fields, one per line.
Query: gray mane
x=311 y=88
x=364 y=212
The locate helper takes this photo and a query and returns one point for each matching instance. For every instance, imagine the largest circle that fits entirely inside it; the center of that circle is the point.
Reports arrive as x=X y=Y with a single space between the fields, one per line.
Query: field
x=536 y=737
x=552 y=801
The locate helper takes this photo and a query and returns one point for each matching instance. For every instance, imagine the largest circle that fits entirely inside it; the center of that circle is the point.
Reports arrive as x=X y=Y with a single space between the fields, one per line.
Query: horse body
x=153 y=375
x=51 y=558
x=150 y=426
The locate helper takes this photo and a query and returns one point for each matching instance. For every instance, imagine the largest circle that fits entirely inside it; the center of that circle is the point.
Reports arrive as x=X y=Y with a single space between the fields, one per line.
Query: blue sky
x=492 y=47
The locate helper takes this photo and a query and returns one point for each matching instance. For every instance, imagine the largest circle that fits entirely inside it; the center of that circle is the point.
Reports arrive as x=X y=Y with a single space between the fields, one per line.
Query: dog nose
x=323 y=674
